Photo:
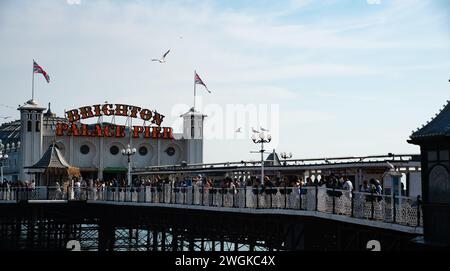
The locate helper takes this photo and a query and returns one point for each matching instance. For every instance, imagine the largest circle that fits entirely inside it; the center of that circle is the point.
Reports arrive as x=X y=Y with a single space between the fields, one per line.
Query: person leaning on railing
x=309 y=182
x=375 y=189
x=330 y=183
x=365 y=188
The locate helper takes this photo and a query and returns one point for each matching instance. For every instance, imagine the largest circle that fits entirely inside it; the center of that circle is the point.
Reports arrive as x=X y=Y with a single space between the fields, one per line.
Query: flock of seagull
x=238 y=130
x=255 y=131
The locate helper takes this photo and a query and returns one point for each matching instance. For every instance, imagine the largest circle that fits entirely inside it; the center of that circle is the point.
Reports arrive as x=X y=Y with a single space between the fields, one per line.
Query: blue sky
x=348 y=77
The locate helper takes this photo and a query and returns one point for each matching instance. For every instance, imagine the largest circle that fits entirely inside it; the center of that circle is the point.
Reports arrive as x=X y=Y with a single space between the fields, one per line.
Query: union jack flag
x=199 y=81
x=39 y=69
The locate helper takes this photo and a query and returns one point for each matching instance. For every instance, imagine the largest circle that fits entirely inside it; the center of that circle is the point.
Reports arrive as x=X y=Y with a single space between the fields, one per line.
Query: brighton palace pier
x=412 y=211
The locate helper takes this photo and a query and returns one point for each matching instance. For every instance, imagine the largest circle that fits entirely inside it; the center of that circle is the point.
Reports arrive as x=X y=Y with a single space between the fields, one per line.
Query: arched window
x=29 y=126
x=439 y=188
x=38 y=126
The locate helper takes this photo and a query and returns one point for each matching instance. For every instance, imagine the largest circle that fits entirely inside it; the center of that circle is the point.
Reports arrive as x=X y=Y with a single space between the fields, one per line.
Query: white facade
x=98 y=156
x=193 y=130
x=31 y=137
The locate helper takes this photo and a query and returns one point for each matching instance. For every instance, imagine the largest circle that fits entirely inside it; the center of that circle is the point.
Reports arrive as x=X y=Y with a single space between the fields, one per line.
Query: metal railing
x=39 y=193
x=387 y=208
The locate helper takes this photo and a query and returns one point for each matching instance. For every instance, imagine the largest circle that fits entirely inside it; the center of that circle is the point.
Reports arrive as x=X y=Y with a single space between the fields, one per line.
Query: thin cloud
x=260 y=56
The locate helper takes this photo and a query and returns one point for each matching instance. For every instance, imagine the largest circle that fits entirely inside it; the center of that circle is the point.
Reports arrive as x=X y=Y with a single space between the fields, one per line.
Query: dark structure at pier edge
x=434 y=141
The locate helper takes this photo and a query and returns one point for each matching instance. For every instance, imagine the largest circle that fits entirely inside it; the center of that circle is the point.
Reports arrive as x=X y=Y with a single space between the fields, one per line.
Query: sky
x=328 y=78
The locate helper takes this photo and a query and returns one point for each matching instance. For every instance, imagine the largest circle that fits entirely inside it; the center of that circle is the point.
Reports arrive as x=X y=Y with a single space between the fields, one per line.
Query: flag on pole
x=199 y=81
x=39 y=69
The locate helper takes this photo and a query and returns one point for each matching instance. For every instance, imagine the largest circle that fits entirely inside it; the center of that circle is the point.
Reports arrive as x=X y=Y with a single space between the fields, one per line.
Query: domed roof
x=31 y=105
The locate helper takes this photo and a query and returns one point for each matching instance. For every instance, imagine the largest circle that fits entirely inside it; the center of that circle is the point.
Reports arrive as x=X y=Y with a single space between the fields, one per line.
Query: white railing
x=386 y=208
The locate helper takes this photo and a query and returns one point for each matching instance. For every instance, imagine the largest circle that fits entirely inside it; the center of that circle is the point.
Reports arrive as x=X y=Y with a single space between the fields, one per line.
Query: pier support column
x=106 y=237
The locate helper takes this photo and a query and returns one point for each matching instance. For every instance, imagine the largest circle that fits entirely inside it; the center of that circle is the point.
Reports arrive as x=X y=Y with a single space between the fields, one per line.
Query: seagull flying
x=7 y=117
x=163 y=58
x=254 y=131
x=264 y=130
x=238 y=130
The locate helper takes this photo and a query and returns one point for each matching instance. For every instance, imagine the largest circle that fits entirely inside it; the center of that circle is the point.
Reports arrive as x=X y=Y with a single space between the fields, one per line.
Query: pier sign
x=74 y=127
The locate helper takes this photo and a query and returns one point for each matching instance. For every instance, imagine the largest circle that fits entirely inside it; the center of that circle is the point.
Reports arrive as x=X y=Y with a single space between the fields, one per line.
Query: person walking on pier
x=77 y=189
x=348 y=186
x=58 y=192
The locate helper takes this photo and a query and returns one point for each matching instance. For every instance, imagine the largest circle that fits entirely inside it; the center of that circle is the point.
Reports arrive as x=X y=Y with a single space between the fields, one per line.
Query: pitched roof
x=10 y=132
x=52 y=158
x=273 y=159
x=438 y=126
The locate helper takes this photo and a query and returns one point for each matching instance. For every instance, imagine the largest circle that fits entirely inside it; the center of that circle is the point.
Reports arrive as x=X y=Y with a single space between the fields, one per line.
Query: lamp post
x=261 y=139
x=286 y=156
x=3 y=158
x=129 y=152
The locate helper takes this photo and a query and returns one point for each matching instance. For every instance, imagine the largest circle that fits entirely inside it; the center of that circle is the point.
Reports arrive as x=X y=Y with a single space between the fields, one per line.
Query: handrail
x=387 y=208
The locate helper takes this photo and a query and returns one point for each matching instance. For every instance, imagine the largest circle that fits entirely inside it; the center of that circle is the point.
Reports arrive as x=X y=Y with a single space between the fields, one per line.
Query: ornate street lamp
x=286 y=156
x=3 y=158
x=261 y=139
x=129 y=152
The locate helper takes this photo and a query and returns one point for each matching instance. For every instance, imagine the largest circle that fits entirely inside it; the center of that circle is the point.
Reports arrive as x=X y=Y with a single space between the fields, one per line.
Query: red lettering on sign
x=107 y=109
x=147 y=133
x=137 y=130
x=156 y=132
x=85 y=131
x=157 y=118
x=134 y=110
x=167 y=133
x=73 y=130
x=86 y=112
x=60 y=128
x=121 y=110
x=97 y=110
x=98 y=132
x=120 y=131
x=73 y=115
x=107 y=131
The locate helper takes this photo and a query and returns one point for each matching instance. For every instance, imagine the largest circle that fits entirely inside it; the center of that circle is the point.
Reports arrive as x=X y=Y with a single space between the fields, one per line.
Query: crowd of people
x=18 y=184
x=270 y=182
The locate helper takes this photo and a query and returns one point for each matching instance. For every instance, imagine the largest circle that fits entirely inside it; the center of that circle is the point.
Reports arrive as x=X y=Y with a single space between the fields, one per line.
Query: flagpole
x=32 y=84
x=195 y=73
